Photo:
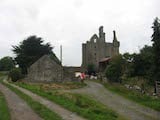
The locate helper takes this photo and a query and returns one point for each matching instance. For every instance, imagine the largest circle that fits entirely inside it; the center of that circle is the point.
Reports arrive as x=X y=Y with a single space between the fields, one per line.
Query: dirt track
x=19 y=110
x=124 y=107
x=64 y=113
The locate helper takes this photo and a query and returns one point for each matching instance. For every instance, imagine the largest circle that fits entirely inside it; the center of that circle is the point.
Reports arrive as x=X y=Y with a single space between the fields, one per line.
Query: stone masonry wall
x=45 y=70
x=96 y=49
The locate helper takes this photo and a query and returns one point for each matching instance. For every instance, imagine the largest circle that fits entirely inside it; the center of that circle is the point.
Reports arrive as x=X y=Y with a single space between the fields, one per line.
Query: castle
x=96 y=49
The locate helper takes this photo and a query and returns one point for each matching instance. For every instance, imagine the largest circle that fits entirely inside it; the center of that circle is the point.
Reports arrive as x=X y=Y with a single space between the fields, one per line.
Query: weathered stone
x=69 y=73
x=154 y=94
x=127 y=86
x=93 y=77
x=96 y=49
x=136 y=87
x=45 y=70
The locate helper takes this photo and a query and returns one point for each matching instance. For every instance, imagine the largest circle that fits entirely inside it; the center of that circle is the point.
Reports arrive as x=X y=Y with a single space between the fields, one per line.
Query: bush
x=91 y=69
x=115 y=69
x=6 y=63
x=15 y=74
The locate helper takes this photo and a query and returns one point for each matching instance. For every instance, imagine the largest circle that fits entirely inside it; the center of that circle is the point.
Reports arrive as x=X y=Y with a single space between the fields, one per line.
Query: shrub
x=6 y=63
x=91 y=69
x=115 y=69
x=15 y=74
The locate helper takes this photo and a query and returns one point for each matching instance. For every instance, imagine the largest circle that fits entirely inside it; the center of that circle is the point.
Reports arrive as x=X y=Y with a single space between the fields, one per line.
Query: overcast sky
x=73 y=22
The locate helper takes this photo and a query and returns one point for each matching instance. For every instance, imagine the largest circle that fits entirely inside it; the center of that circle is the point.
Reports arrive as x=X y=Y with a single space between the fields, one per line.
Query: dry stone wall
x=45 y=70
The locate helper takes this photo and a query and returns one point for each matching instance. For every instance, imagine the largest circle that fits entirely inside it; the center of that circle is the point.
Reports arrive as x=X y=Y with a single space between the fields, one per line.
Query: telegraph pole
x=61 y=62
x=61 y=53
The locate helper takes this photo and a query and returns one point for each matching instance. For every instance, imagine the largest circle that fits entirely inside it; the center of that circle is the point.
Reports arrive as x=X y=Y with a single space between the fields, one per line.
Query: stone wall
x=45 y=70
x=69 y=72
x=96 y=49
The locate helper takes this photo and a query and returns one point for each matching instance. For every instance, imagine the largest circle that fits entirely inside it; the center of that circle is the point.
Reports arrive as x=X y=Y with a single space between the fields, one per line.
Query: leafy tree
x=147 y=56
x=115 y=69
x=30 y=50
x=91 y=69
x=6 y=63
x=156 y=48
x=128 y=71
x=15 y=74
x=140 y=64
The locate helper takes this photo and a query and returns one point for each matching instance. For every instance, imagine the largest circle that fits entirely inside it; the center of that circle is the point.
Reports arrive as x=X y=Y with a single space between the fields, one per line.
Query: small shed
x=103 y=63
x=45 y=69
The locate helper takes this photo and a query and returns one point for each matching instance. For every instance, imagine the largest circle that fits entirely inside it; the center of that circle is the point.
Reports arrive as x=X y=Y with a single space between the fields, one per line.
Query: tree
x=147 y=56
x=156 y=48
x=6 y=63
x=128 y=57
x=140 y=64
x=115 y=69
x=128 y=64
x=15 y=74
x=91 y=69
x=30 y=50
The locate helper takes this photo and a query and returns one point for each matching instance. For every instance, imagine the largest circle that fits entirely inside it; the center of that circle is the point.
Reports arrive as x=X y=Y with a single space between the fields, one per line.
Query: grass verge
x=40 y=109
x=135 y=96
x=60 y=86
x=81 y=104
x=4 y=111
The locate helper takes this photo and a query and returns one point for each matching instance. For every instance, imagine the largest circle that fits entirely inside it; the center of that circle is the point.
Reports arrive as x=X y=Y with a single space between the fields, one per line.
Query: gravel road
x=124 y=107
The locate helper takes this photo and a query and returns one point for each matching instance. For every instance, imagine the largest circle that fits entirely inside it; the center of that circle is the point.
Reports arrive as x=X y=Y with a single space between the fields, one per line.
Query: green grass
x=80 y=104
x=74 y=85
x=60 y=86
x=4 y=111
x=2 y=73
x=142 y=99
x=40 y=109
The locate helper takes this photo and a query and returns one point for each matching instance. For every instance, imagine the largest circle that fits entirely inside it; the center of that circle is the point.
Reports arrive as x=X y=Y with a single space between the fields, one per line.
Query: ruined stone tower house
x=96 y=49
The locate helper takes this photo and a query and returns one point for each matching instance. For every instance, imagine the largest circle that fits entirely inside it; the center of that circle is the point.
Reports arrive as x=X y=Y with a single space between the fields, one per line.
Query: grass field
x=4 y=111
x=142 y=99
x=81 y=104
x=40 y=109
x=59 y=86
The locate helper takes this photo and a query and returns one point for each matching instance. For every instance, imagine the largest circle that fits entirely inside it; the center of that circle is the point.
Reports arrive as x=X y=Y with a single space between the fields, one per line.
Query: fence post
x=157 y=87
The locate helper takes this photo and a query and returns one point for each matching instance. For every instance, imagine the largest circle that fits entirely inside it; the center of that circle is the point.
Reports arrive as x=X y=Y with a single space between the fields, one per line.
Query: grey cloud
x=73 y=22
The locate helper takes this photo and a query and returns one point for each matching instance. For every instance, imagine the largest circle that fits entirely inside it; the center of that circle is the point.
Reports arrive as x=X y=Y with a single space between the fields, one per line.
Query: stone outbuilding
x=103 y=64
x=45 y=69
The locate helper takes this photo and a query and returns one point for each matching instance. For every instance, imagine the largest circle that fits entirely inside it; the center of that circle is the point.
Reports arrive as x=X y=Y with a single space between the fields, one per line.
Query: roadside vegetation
x=6 y=63
x=40 y=109
x=142 y=99
x=140 y=69
x=4 y=111
x=81 y=104
x=144 y=64
x=30 y=50
x=15 y=74
x=59 y=86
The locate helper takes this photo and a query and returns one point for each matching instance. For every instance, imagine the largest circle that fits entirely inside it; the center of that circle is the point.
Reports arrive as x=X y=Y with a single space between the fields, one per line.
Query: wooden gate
x=158 y=88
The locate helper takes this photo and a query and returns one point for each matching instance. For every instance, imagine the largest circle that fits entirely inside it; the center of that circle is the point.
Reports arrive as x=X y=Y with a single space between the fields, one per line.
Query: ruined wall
x=109 y=49
x=45 y=70
x=69 y=72
x=96 y=49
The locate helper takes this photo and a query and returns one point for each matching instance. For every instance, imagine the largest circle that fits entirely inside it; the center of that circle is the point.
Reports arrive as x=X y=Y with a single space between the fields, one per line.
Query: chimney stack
x=114 y=36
